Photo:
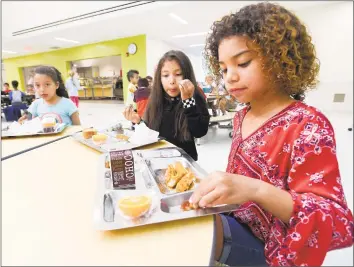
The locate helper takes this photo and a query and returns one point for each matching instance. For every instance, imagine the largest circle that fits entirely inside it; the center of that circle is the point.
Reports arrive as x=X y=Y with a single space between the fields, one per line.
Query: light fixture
x=66 y=40
x=189 y=34
x=9 y=52
x=173 y=15
x=195 y=45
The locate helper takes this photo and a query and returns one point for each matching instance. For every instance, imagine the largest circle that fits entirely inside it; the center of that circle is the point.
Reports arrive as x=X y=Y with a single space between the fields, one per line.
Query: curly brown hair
x=282 y=41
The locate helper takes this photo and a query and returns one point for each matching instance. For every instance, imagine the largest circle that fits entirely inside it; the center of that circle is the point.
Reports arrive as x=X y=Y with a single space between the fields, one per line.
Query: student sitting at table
x=150 y=80
x=141 y=95
x=282 y=168
x=209 y=84
x=30 y=89
x=6 y=88
x=16 y=96
x=209 y=88
x=176 y=108
x=133 y=77
x=54 y=101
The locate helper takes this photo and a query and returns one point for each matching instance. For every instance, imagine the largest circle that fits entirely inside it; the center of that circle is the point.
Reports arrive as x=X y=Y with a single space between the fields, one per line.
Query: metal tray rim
x=32 y=134
x=98 y=148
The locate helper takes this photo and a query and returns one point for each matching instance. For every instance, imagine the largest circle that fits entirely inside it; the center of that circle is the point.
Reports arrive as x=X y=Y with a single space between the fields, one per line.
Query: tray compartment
x=158 y=167
x=172 y=204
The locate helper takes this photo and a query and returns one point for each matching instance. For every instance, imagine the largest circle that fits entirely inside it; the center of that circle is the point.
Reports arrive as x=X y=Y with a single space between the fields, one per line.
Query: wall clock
x=132 y=48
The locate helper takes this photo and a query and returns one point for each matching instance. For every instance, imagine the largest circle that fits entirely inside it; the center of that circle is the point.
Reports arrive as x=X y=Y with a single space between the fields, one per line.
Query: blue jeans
x=241 y=247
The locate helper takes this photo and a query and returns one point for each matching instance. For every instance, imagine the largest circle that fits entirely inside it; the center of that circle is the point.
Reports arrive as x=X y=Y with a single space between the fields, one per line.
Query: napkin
x=31 y=126
x=143 y=135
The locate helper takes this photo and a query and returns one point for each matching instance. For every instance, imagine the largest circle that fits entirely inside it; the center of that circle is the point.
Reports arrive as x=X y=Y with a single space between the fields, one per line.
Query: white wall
x=197 y=64
x=331 y=27
x=3 y=74
x=108 y=66
x=155 y=50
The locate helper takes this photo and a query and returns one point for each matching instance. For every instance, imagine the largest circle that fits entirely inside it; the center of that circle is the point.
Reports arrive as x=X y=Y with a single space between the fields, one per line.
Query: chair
x=13 y=112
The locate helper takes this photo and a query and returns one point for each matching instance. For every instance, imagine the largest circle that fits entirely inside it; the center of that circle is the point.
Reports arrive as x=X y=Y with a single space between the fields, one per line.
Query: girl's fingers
x=181 y=87
x=203 y=189
x=128 y=113
x=209 y=198
x=125 y=113
x=187 y=88
x=183 y=84
x=216 y=202
x=186 y=84
x=131 y=114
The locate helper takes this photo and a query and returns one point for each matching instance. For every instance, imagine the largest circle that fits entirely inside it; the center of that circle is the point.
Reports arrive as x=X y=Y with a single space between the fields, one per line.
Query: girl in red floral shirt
x=282 y=169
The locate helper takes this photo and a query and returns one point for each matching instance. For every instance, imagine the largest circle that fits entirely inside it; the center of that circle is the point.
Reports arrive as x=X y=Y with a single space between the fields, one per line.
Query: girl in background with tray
x=176 y=109
x=283 y=169
x=54 y=102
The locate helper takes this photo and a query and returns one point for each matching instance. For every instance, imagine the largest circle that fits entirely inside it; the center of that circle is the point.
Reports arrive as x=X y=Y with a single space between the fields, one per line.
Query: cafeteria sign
x=122 y=168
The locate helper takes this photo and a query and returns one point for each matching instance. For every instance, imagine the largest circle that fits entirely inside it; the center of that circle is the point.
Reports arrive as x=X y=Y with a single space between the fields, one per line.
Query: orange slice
x=134 y=206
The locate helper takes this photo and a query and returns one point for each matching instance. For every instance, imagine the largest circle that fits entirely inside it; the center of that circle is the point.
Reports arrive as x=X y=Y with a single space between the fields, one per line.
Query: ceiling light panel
x=196 y=45
x=178 y=18
x=66 y=40
x=9 y=52
x=190 y=34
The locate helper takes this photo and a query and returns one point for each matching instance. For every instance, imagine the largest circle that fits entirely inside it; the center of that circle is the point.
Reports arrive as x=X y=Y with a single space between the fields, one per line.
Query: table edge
x=38 y=146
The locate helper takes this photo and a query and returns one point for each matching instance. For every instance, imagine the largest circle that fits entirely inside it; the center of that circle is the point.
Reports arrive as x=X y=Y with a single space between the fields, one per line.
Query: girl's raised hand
x=187 y=89
x=131 y=115
x=22 y=119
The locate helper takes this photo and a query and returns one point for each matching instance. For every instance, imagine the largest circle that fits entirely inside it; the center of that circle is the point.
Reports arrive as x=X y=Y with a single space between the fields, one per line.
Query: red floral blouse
x=296 y=151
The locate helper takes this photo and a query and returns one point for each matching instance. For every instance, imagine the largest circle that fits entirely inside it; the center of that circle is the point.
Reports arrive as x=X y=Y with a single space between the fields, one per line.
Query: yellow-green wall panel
x=60 y=58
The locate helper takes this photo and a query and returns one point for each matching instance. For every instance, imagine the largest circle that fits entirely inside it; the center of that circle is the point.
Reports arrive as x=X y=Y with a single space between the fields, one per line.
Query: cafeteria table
x=11 y=146
x=48 y=210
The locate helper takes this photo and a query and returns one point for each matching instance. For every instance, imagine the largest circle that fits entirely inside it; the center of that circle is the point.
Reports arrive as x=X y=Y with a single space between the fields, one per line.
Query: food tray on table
x=131 y=189
x=115 y=138
x=5 y=133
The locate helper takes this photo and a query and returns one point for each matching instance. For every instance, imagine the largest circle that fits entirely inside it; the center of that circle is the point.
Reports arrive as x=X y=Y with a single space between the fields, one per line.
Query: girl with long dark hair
x=176 y=108
x=53 y=100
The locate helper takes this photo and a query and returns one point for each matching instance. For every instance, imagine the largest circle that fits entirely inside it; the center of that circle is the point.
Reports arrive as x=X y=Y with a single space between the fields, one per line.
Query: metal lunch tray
x=165 y=206
x=112 y=143
x=6 y=134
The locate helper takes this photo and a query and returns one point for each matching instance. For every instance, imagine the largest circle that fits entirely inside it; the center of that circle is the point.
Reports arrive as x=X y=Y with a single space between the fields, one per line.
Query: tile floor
x=216 y=145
